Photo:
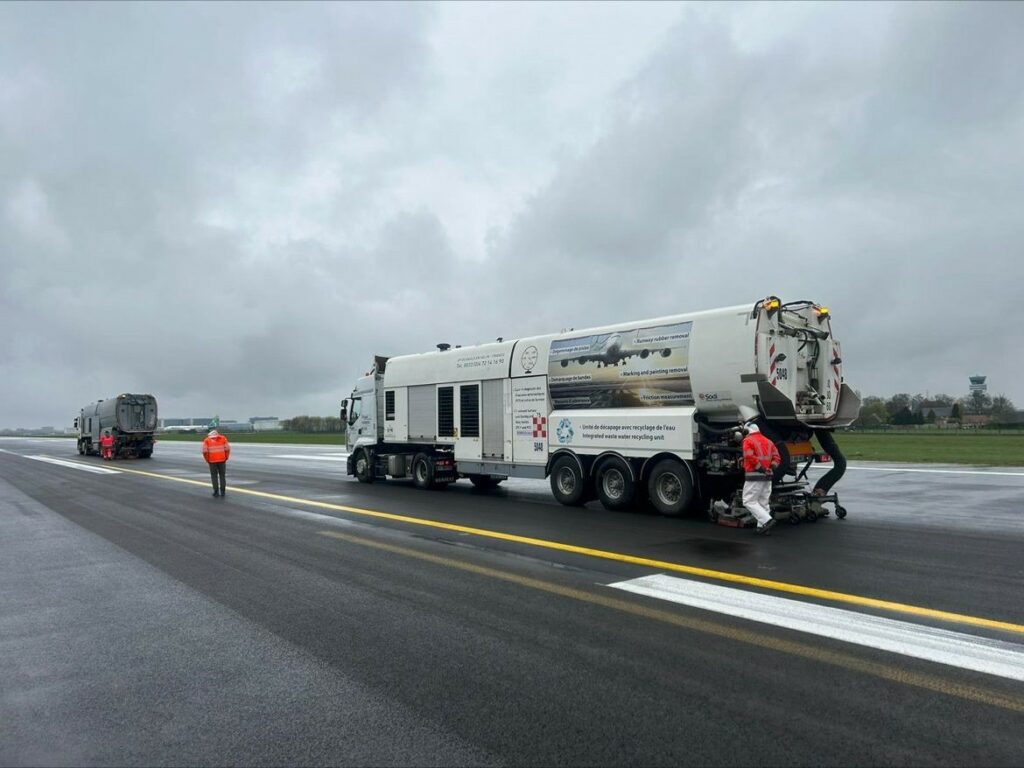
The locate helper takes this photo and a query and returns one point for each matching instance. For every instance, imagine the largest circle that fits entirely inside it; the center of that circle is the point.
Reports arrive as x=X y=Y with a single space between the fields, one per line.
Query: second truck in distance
x=131 y=419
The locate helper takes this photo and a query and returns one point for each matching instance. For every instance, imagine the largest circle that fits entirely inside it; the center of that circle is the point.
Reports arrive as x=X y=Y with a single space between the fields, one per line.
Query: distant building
x=191 y=422
x=234 y=426
x=974 y=420
x=936 y=412
x=265 y=423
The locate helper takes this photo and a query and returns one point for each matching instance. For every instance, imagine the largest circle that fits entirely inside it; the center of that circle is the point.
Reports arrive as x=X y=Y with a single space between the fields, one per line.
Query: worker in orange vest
x=107 y=446
x=760 y=458
x=216 y=451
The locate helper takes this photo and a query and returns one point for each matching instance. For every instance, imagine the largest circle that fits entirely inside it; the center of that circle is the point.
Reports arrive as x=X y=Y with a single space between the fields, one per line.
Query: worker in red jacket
x=216 y=451
x=107 y=446
x=760 y=458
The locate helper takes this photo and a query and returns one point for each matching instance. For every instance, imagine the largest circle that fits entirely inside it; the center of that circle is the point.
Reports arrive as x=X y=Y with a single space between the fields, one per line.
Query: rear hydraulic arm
x=830 y=478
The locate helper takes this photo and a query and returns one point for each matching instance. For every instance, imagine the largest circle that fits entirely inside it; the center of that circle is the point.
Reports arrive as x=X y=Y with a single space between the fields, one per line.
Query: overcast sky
x=235 y=206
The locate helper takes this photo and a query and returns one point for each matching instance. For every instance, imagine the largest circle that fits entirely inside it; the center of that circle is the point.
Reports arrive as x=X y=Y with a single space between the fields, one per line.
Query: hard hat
x=213 y=433
x=753 y=428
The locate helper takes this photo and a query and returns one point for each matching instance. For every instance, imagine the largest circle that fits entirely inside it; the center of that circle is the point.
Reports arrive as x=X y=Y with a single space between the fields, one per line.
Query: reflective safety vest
x=760 y=457
x=216 y=449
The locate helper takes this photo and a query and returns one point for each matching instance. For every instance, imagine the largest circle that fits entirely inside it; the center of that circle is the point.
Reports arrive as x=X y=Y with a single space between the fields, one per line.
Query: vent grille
x=445 y=412
x=389 y=405
x=469 y=410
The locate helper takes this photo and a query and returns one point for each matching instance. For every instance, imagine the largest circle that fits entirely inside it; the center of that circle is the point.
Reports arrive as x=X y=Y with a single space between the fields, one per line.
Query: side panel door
x=423 y=413
x=493 y=409
x=468 y=443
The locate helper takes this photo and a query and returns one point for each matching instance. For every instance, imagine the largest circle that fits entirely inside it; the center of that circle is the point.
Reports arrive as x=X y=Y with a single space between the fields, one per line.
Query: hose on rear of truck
x=830 y=478
x=705 y=427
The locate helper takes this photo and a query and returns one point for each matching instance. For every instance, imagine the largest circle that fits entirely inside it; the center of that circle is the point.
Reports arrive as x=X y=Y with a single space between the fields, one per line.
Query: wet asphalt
x=144 y=622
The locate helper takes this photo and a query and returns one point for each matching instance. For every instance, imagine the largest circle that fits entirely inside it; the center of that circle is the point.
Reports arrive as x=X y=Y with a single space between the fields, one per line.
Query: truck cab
x=359 y=412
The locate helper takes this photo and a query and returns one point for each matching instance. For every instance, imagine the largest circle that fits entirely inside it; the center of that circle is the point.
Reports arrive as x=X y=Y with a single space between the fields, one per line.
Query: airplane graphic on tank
x=609 y=351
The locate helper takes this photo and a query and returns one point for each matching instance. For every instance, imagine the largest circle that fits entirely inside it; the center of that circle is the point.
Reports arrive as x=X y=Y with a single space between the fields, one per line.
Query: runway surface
x=308 y=619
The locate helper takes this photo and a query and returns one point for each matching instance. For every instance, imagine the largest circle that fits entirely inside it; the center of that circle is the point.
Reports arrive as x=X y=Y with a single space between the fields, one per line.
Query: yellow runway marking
x=661 y=565
x=852 y=663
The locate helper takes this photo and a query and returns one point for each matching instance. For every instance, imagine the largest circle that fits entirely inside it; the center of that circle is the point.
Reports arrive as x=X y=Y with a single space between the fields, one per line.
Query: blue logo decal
x=564 y=431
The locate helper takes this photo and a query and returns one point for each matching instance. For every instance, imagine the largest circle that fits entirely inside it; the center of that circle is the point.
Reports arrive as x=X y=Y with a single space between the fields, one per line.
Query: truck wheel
x=615 y=487
x=670 y=487
x=567 y=484
x=145 y=454
x=364 y=467
x=81 y=448
x=423 y=472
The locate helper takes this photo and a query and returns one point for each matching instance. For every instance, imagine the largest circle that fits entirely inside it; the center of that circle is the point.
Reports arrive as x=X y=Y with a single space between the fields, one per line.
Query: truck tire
x=81 y=448
x=423 y=472
x=615 y=486
x=670 y=487
x=145 y=454
x=364 y=466
x=567 y=483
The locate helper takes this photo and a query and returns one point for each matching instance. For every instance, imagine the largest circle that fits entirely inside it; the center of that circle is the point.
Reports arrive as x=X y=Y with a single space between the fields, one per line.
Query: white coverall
x=755 y=498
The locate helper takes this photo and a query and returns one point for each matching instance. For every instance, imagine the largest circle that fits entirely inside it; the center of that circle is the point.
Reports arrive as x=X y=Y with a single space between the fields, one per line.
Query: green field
x=305 y=438
x=942 y=447
x=947 y=447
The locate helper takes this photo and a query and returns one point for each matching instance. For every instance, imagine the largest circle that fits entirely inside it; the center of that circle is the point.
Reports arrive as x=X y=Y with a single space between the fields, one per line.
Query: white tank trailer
x=648 y=411
x=130 y=418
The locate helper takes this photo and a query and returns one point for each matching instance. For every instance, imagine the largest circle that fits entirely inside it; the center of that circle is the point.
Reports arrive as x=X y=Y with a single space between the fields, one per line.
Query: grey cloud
x=889 y=188
x=234 y=206
x=124 y=127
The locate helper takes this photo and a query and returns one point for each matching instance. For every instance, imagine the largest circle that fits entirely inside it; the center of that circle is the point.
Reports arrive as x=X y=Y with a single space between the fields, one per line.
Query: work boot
x=762 y=530
x=215 y=494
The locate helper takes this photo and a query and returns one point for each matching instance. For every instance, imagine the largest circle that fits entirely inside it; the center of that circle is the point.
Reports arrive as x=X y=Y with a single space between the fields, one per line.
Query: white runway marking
x=955 y=649
x=75 y=465
x=310 y=457
x=938 y=471
x=319 y=518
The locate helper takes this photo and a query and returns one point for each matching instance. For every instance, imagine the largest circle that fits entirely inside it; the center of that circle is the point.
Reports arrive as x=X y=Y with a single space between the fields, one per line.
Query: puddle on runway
x=722 y=549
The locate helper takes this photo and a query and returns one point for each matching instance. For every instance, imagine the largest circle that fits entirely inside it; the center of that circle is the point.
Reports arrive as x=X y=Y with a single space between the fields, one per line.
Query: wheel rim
x=421 y=471
x=361 y=465
x=669 y=489
x=566 y=481
x=613 y=484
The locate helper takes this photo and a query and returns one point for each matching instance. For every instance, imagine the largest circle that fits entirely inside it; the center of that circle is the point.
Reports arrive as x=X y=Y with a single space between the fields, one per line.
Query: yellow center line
x=661 y=565
x=888 y=672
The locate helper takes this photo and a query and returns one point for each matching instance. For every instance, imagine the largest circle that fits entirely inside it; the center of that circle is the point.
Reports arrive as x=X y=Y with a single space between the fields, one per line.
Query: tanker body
x=131 y=419
x=644 y=410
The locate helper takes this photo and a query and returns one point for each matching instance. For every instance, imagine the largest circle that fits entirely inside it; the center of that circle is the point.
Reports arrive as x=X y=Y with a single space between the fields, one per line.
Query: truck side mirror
x=344 y=411
x=76 y=423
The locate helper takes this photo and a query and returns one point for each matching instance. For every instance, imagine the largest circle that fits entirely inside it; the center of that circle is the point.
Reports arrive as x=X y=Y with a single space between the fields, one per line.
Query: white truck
x=650 y=410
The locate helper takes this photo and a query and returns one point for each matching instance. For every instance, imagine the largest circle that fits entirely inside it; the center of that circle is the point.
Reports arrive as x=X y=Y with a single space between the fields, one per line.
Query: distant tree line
x=905 y=409
x=313 y=424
